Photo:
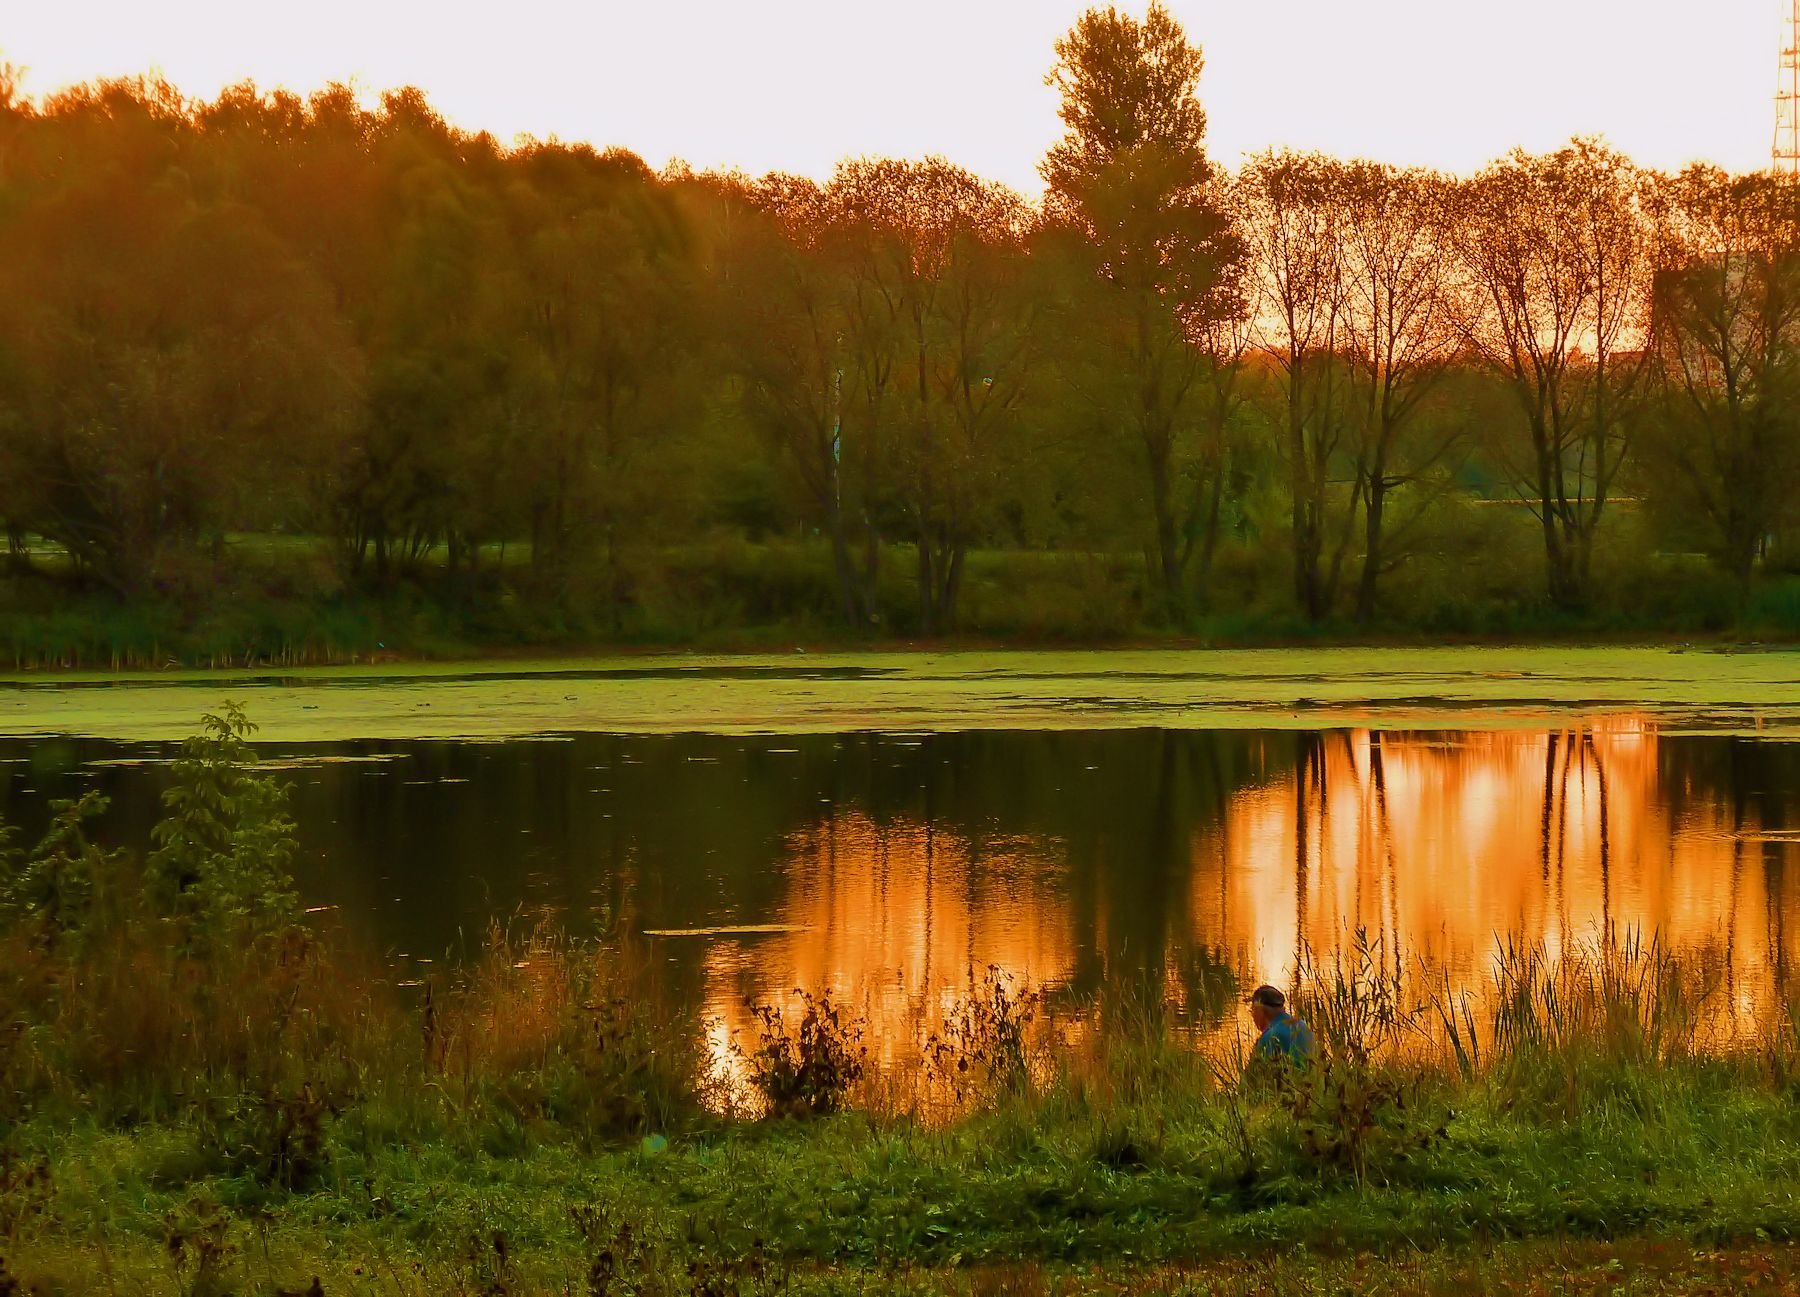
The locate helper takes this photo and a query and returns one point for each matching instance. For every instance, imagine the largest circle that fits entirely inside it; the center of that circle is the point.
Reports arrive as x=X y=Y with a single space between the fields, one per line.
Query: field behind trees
x=292 y=378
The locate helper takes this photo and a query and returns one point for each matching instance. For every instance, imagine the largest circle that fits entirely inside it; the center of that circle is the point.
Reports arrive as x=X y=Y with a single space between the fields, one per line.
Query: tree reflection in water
x=1116 y=869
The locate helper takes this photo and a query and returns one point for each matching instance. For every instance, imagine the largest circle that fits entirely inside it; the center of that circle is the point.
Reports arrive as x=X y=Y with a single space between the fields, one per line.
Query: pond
x=1108 y=836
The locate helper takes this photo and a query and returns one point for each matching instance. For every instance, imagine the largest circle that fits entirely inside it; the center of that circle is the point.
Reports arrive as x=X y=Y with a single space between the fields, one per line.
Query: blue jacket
x=1287 y=1038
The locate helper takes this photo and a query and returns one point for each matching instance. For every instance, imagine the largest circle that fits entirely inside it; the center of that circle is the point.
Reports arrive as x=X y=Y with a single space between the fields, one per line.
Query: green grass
x=544 y=1117
x=868 y=1198
x=1039 y=1185
x=285 y=601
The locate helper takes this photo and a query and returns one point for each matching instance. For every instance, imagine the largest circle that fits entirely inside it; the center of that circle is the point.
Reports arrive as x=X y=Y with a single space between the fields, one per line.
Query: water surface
x=894 y=865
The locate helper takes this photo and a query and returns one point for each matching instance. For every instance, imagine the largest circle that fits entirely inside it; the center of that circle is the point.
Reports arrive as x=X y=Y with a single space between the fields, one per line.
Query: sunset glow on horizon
x=798 y=85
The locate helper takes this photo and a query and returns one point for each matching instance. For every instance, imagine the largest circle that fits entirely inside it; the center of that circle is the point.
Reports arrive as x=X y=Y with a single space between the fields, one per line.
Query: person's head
x=1266 y=1005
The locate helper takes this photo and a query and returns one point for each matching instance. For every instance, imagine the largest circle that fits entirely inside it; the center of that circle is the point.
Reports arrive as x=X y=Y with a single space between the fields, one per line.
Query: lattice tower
x=1786 y=153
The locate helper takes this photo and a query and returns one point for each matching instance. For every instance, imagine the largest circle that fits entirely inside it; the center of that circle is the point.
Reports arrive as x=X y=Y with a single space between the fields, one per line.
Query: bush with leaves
x=224 y=843
x=1357 y=1108
x=807 y=1072
x=983 y=1052
x=54 y=889
x=134 y=985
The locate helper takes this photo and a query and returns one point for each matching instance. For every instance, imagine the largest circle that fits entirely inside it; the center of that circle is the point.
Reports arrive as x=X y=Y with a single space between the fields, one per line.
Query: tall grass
x=183 y=985
x=544 y=1032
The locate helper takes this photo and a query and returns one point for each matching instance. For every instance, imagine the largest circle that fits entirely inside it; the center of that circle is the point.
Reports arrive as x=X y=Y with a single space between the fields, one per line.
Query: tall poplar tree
x=1132 y=182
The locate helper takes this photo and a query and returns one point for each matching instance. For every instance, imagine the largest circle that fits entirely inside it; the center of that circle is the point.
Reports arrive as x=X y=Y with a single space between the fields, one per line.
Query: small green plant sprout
x=808 y=1072
x=224 y=843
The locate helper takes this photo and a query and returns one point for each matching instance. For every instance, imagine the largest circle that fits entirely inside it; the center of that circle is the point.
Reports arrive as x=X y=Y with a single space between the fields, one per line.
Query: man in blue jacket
x=1283 y=1038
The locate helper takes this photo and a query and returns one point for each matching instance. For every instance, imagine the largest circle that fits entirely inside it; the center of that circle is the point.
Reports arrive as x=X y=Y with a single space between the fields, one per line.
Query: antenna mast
x=1786 y=153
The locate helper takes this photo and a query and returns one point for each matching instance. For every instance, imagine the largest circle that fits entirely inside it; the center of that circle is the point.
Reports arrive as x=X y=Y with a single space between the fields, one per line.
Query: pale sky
x=798 y=84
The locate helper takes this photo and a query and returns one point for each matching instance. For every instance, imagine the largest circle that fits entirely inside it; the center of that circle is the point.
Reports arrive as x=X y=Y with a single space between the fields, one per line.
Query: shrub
x=807 y=1072
x=50 y=891
x=129 y=990
x=982 y=1053
x=1359 y=1118
x=1357 y=1106
x=1052 y=596
x=224 y=843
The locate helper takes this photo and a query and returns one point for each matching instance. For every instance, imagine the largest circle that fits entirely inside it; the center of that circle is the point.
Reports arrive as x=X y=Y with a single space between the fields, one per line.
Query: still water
x=888 y=866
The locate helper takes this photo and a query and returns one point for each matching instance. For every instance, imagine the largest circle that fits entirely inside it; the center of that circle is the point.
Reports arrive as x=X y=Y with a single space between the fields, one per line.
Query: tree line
x=301 y=316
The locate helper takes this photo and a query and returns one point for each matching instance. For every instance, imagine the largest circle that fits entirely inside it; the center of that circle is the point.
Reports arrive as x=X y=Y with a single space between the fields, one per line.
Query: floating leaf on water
x=332 y=759
x=743 y=929
x=514 y=738
x=1769 y=836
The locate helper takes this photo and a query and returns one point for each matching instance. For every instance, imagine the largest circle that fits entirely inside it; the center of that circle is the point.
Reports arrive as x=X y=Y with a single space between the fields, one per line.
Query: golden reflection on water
x=896 y=920
x=1438 y=845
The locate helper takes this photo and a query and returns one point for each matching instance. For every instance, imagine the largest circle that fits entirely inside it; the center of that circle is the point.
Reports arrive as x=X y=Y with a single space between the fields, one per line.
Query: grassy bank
x=267 y=604
x=202 y=1093
x=540 y=1152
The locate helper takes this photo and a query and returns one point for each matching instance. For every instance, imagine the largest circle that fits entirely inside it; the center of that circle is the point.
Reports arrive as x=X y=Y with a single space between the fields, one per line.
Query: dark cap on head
x=1268 y=997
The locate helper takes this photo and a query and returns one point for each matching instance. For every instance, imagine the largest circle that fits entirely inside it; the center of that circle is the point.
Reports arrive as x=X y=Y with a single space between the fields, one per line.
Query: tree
x=1132 y=190
x=436 y=372
x=785 y=314
x=1397 y=229
x=15 y=114
x=941 y=327
x=168 y=356
x=602 y=374
x=1721 y=445
x=1556 y=260
x=1296 y=220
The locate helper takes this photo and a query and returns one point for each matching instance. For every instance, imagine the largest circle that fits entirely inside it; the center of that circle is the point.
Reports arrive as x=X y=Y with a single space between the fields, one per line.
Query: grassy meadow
x=202 y=1092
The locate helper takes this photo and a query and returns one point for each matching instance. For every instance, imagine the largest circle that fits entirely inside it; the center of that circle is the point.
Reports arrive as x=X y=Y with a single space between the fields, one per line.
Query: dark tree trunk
x=1371 y=567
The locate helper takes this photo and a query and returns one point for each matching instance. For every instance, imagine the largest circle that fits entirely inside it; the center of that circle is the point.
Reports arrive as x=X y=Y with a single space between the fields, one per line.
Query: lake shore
x=518 y=1135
